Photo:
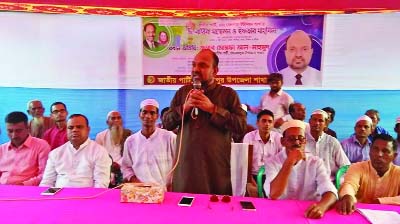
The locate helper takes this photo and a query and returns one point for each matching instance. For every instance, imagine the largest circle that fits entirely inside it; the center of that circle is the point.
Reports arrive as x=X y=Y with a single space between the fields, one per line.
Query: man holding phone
x=293 y=175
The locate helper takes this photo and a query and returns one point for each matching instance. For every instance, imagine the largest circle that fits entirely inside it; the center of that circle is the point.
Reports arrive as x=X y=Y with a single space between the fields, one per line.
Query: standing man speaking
x=204 y=164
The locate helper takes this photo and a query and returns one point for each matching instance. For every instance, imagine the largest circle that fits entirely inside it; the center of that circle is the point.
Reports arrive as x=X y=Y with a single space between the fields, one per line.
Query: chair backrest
x=260 y=174
x=342 y=170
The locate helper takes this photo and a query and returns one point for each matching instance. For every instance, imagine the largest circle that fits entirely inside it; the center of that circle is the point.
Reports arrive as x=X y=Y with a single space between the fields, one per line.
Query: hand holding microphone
x=197 y=86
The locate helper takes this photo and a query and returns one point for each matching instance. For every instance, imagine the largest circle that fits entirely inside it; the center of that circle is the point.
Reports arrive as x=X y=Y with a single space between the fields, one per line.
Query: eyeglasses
x=225 y=198
x=295 y=138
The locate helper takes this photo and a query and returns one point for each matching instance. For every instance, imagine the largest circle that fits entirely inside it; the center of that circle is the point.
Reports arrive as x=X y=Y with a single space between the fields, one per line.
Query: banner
x=249 y=49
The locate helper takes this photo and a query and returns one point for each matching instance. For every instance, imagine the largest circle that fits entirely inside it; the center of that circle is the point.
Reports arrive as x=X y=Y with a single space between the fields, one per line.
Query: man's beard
x=116 y=132
x=36 y=125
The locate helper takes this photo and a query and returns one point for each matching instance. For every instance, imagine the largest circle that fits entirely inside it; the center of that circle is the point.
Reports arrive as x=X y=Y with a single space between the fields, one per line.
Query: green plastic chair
x=260 y=174
x=342 y=170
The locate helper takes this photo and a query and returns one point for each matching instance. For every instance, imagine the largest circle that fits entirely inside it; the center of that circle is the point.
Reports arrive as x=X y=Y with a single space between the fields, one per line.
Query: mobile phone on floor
x=51 y=191
x=247 y=205
x=186 y=201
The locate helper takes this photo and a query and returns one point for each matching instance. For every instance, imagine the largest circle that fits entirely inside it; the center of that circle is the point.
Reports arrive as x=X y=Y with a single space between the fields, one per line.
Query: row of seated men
x=69 y=165
x=69 y=158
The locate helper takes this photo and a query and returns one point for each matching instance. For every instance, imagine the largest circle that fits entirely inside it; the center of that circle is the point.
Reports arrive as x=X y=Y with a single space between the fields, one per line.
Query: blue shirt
x=354 y=150
x=378 y=130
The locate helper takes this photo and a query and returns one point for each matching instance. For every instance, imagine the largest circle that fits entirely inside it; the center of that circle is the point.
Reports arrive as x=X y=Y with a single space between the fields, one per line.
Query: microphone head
x=196 y=84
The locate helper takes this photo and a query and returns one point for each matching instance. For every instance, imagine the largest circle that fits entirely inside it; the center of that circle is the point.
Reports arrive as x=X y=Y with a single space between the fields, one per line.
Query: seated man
x=265 y=142
x=357 y=146
x=293 y=175
x=23 y=158
x=297 y=111
x=374 y=115
x=39 y=123
x=374 y=181
x=149 y=153
x=397 y=130
x=331 y=117
x=323 y=145
x=57 y=135
x=81 y=162
x=113 y=139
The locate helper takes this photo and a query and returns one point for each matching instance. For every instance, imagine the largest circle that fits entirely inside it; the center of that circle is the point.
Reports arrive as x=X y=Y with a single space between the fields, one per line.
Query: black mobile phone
x=247 y=205
x=51 y=191
x=186 y=201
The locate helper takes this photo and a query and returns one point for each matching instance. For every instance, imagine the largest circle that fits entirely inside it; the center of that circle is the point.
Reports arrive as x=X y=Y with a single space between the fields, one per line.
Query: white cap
x=243 y=106
x=111 y=112
x=364 y=118
x=319 y=111
x=293 y=124
x=149 y=102
x=398 y=120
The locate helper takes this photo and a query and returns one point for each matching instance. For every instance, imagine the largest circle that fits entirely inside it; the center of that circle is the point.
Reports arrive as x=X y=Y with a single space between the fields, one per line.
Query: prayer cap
x=364 y=118
x=109 y=113
x=319 y=111
x=293 y=124
x=398 y=120
x=149 y=102
x=243 y=106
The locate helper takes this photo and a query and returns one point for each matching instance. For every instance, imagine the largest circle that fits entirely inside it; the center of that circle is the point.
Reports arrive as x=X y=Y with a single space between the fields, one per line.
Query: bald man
x=298 y=55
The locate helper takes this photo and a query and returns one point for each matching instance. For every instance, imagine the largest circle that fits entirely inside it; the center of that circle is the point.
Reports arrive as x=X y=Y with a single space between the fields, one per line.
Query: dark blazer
x=146 y=45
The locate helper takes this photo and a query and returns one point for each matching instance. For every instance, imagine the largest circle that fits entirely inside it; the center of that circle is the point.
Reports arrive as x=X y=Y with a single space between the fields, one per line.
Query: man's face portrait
x=150 y=33
x=114 y=119
x=203 y=67
x=362 y=129
x=265 y=123
x=77 y=130
x=59 y=113
x=298 y=50
x=36 y=109
x=317 y=122
x=382 y=155
x=149 y=115
x=17 y=133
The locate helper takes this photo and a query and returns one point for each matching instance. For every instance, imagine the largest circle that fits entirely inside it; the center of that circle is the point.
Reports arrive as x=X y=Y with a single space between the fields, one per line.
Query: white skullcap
x=243 y=106
x=109 y=113
x=293 y=124
x=149 y=102
x=398 y=120
x=364 y=118
x=319 y=111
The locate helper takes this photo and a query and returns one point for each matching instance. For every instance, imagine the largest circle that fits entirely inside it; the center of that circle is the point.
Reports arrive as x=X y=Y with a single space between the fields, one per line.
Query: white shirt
x=279 y=104
x=149 y=159
x=104 y=139
x=310 y=77
x=329 y=150
x=88 y=166
x=307 y=181
x=262 y=151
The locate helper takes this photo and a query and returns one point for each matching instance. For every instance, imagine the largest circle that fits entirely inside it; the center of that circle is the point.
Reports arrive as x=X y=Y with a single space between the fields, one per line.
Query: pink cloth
x=55 y=137
x=25 y=164
x=107 y=208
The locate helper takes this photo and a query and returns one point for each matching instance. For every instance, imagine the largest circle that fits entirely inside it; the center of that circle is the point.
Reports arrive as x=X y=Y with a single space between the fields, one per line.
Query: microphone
x=196 y=85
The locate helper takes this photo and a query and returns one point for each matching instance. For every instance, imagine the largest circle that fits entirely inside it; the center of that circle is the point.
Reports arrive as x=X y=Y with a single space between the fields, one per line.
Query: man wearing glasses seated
x=374 y=181
x=292 y=175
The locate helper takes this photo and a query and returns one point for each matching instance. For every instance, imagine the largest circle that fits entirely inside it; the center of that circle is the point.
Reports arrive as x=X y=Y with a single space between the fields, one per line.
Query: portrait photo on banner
x=156 y=38
x=297 y=53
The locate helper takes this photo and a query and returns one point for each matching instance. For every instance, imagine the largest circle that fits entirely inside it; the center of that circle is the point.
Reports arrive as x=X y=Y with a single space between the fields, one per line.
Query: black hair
x=80 y=115
x=265 y=112
x=385 y=137
x=16 y=117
